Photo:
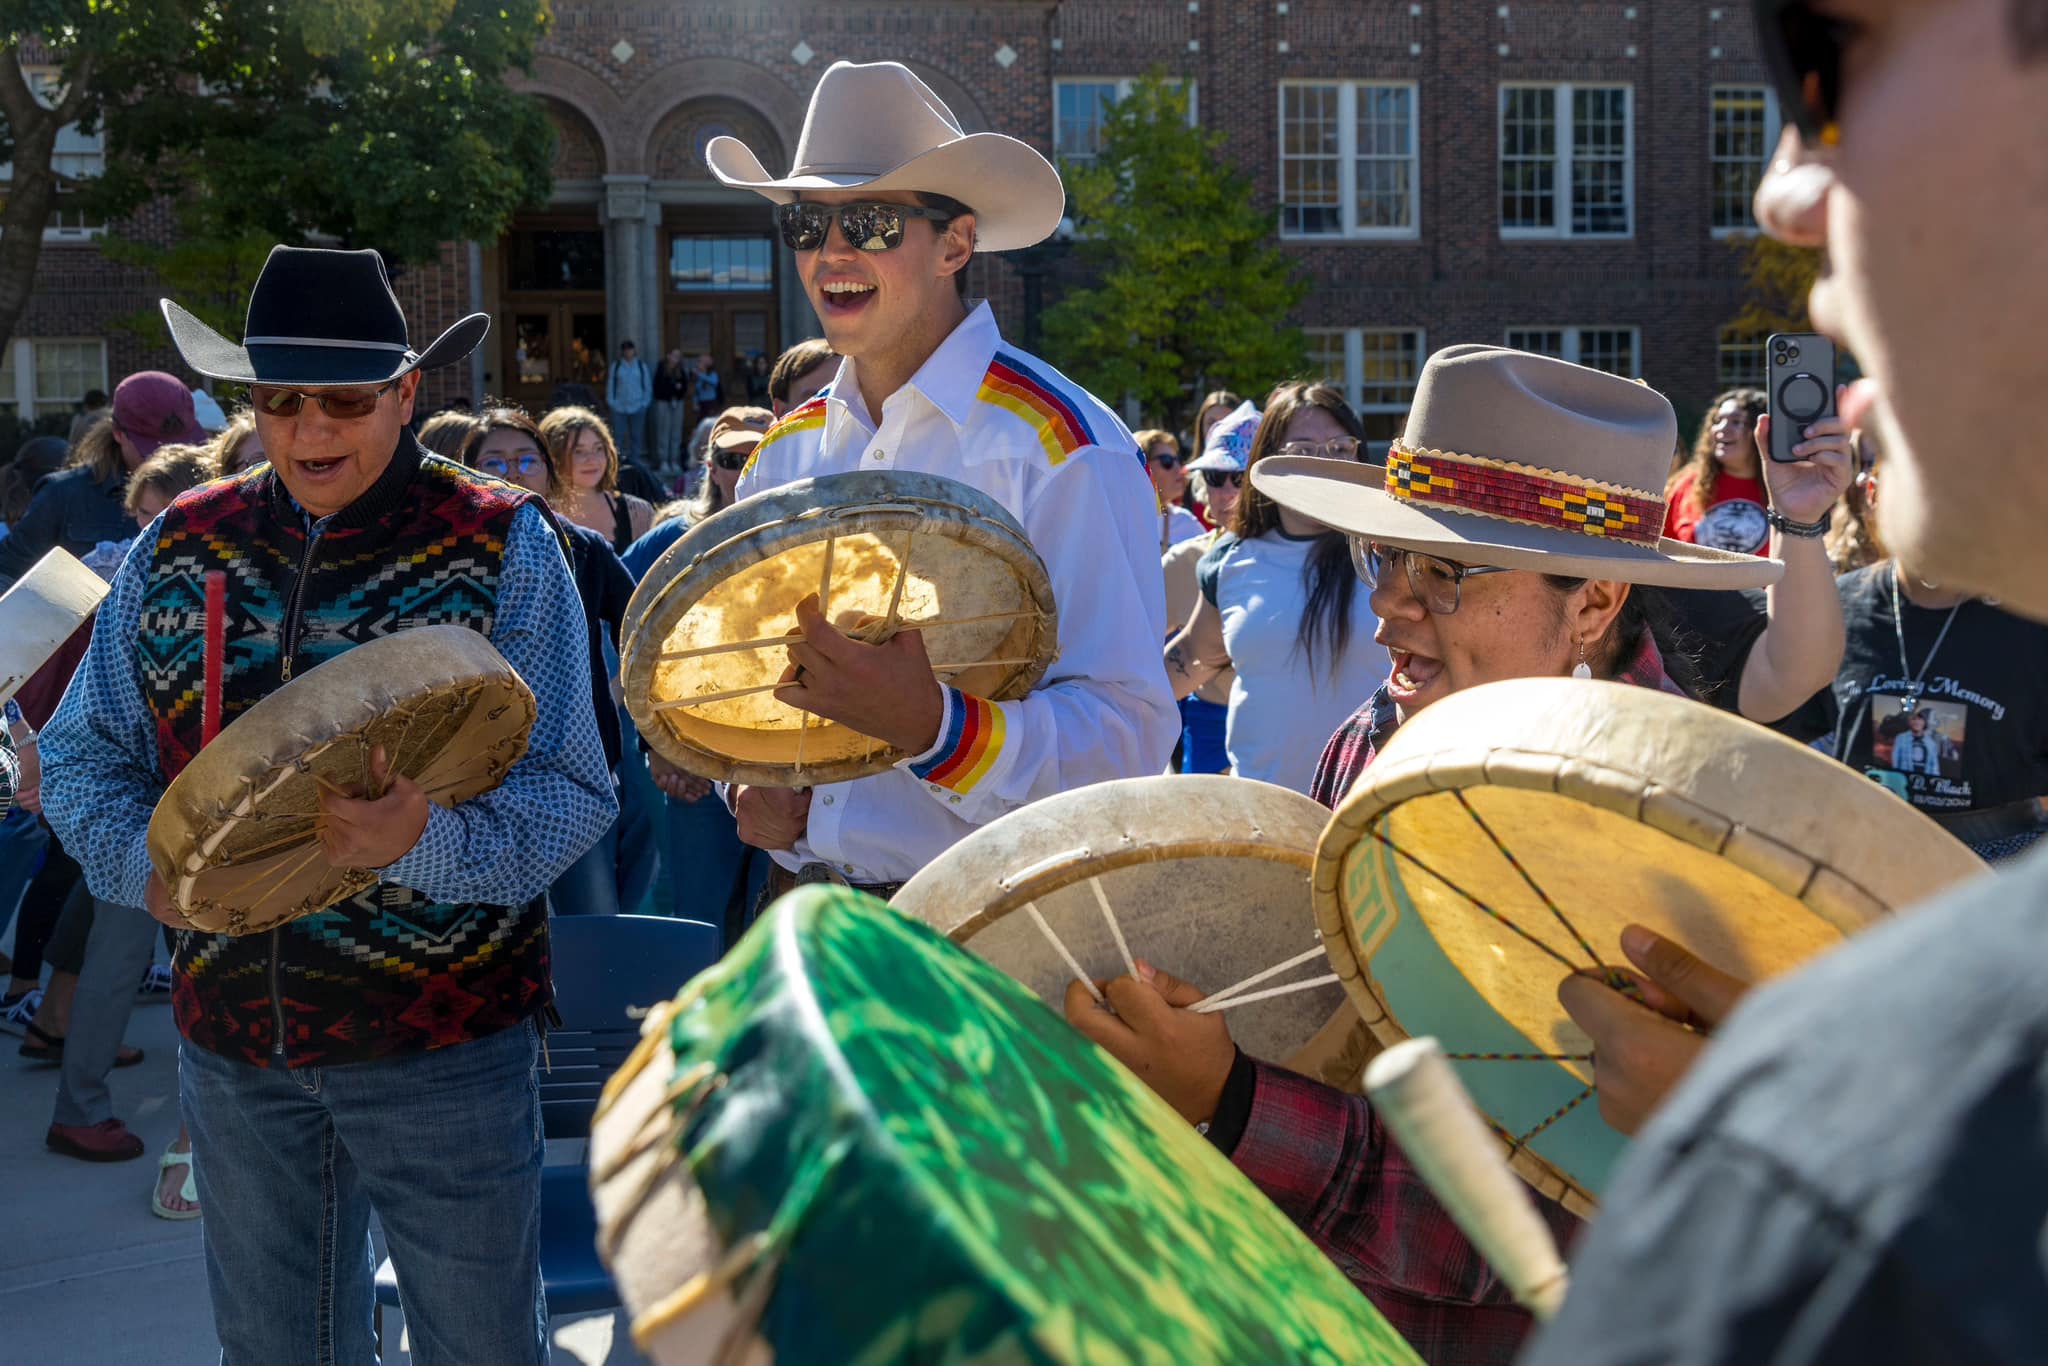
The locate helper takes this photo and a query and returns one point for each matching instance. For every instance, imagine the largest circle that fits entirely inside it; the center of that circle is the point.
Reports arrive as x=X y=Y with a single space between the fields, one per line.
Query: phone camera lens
x=1793 y=353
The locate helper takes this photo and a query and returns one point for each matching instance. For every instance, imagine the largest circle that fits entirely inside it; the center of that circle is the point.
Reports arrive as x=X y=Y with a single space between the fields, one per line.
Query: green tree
x=1189 y=292
x=383 y=123
x=1776 y=278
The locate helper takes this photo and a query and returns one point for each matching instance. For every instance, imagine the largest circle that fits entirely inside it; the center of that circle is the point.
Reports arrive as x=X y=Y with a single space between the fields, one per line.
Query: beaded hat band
x=1518 y=493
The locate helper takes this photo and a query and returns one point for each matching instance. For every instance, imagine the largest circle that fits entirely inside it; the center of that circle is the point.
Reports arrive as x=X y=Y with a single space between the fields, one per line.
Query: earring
x=1582 y=669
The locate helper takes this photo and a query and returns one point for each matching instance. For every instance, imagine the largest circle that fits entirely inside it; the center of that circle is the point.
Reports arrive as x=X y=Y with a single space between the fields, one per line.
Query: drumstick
x=215 y=657
x=1434 y=1120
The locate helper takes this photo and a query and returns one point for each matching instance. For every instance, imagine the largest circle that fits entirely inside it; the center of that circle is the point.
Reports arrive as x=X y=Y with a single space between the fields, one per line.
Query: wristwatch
x=1805 y=530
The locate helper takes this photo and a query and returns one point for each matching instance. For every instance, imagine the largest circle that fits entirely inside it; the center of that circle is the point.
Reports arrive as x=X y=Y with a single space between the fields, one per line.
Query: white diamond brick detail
x=1006 y=56
x=622 y=52
x=801 y=54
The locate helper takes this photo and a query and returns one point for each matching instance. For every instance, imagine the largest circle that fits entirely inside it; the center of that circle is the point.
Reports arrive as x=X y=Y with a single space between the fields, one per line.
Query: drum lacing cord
x=1514 y=1143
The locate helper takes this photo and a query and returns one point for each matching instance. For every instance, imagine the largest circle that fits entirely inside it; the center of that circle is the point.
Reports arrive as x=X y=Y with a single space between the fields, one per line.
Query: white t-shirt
x=1177 y=524
x=1282 y=711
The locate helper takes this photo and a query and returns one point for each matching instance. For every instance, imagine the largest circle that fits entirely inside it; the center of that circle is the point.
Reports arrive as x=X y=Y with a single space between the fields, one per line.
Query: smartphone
x=1801 y=386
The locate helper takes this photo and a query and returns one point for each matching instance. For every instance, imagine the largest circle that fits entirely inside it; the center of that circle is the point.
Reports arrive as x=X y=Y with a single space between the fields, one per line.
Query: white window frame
x=1123 y=86
x=1347 y=161
x=1561 y=116
x=1773 y=126
x=1572 y=335
x=1723 y=345
x=1353 y=379
x=23 y=351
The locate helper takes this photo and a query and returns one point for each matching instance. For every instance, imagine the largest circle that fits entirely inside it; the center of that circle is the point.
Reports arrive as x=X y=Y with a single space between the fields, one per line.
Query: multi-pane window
x=1743 y=127
x=1375 y=367
x=1348 y=165
x=76 y=156
x=1739 y=359
x=1617 y=350
x=42 y=375
x=1081 y=107
x=1566 y=161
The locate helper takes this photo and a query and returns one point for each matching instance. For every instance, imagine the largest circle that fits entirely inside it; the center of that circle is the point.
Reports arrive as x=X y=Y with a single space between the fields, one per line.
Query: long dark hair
x=1330 y=582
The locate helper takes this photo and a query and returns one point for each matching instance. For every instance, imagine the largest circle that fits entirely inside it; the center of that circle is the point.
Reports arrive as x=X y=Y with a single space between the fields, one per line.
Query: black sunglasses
x=1165 y=460
x=1803 y=50
x=1216 y=479
x=732 y=460
x=870 y=227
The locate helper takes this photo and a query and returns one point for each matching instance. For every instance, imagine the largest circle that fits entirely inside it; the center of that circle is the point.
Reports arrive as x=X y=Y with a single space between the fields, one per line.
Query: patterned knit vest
x=390 y=971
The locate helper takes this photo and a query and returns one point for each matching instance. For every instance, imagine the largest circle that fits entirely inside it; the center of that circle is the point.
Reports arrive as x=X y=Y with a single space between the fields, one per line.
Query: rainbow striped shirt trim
x=806 y=418
x=970 y=742
x=1015 y=386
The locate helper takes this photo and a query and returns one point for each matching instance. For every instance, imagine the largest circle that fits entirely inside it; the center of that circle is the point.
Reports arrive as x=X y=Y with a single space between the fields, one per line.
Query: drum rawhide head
x=234 y=836
x=852 y=1141
x=704 y=649
x=1506 y=835
x=38 y=613
x=1202 y=876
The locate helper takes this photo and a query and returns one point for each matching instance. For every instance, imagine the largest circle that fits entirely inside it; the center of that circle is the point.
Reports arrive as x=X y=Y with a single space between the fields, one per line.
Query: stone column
x=626 y=253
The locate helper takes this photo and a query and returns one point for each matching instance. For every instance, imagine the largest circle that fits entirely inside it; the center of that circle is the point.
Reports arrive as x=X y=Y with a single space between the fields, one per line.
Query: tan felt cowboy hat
x=1524 y=462
x=40 y=612
x=878 y=127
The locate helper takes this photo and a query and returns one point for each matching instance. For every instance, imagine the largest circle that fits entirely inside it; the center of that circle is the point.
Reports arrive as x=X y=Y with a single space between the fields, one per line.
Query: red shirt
x=1733 y=521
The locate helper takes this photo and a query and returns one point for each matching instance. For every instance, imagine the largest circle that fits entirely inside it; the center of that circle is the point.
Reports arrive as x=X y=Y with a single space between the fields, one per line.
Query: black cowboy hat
x=318 y=318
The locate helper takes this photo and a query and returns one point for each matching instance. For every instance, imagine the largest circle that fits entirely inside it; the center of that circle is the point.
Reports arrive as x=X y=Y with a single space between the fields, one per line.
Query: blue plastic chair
x=604 y=965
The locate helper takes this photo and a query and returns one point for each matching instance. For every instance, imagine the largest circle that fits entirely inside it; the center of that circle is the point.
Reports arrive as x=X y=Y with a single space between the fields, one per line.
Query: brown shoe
x=106 y=1141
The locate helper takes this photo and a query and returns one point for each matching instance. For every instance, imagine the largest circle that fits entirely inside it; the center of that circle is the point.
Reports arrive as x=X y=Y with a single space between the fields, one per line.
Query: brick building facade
x=1557 y=173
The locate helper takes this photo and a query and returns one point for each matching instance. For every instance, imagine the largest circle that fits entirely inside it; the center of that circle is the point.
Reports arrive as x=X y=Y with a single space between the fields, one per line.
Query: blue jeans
x=445 y=1146
x=711 y=876
x=22 y=846
x=630 y=429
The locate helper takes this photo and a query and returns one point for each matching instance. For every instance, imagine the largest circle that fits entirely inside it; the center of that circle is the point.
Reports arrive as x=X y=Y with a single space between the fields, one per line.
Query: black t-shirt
x=1970 y=735
x=1706 y=635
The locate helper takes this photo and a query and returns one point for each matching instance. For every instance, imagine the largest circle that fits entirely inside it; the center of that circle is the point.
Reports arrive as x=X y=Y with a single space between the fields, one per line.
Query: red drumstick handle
x=216 y=651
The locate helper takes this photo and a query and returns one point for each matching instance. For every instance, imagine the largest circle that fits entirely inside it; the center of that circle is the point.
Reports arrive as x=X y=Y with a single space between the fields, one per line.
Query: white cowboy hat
x=1524 y=462
x=878 y=127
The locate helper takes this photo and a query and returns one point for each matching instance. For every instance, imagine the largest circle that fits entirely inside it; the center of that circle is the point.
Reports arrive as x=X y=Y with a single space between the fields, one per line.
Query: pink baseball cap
x=153 y=408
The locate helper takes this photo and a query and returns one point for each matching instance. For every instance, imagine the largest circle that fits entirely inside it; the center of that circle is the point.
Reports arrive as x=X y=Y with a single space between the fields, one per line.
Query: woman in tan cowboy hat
x=1508 y=536
x=885 y=205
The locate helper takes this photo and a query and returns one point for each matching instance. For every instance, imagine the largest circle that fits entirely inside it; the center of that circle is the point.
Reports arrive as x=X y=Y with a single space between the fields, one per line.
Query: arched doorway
x=553 y=347
x=720 y=265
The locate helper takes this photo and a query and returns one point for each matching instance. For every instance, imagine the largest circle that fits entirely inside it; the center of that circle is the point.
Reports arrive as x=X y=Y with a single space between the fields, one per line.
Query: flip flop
x=188 y=1192
x=48 y=1049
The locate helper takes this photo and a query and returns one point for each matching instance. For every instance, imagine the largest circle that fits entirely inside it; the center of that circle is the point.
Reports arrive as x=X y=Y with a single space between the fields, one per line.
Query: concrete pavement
x=89 y=1277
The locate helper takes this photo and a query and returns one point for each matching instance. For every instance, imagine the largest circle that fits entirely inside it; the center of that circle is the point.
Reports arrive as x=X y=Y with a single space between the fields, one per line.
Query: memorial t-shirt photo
x=1960 y=723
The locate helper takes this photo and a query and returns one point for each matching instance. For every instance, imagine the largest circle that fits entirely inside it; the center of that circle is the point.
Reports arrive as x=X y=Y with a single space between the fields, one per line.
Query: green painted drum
x=1505 y=836
x=852 y=1141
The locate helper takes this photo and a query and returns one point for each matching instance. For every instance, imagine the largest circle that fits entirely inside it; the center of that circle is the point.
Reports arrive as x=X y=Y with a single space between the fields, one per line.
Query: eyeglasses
x=1337 y=448
x=1216 y=479
x=343 y=405
x=1165 y=460
x=1803 y=50
x=506 y=466
x=1436 y=583
x=870 y=227
x=732 y=460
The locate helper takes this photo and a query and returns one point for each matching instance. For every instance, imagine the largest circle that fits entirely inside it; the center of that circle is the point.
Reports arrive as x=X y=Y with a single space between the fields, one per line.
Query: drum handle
x=863 y=509
x=1044 y=865
x=1432 y=1117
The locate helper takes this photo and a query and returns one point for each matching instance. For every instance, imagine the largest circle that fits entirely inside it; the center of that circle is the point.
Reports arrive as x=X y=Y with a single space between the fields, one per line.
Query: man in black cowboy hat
x=378 y=1054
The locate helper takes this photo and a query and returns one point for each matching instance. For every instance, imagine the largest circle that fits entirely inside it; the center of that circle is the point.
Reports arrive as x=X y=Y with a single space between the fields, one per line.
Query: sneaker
x=17 y=1011
x=106 y=1141
x=156 y=984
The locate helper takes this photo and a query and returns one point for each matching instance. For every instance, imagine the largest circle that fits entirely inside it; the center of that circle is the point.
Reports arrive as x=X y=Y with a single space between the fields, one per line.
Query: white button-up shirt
x=986 y=414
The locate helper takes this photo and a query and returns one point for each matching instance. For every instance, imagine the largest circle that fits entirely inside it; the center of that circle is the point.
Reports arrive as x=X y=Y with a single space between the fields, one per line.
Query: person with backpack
x=627 y=392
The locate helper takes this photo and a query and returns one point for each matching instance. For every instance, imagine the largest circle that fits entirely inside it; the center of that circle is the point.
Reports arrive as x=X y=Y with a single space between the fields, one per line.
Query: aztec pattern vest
x=390 y=971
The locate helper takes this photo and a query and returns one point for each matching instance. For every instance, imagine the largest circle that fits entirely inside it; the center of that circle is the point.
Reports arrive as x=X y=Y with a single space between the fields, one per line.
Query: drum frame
x=758 y=528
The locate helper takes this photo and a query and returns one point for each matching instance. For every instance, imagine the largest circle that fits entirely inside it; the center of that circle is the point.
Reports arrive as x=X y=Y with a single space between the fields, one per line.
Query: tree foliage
x=382 y=123
x=1777 y=278
x=1189 y=291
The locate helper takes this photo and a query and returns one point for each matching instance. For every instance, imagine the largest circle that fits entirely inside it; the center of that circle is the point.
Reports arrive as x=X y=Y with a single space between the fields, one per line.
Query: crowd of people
x=1836 y=1172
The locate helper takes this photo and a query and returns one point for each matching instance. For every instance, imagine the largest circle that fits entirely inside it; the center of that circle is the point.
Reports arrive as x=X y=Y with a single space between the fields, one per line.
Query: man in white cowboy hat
x=378 y=1055
x=885 y=207
x=1852 y=1170
x=1510 y=535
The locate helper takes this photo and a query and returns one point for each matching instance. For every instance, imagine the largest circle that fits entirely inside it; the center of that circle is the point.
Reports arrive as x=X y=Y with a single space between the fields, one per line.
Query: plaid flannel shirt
x=1324 y=1158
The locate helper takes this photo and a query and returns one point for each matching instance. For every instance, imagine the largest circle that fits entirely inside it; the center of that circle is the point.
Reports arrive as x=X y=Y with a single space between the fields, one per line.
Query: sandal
x=48 y=1049
x=189 y=1192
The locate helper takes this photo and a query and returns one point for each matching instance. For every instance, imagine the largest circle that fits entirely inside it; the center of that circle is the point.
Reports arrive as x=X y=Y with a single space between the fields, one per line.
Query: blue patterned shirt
x=102 y=778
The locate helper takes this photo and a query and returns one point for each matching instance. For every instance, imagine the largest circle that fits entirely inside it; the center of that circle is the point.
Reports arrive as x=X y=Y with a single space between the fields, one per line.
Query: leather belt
x=2023 y=817
x=781 y=881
